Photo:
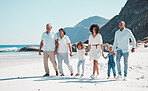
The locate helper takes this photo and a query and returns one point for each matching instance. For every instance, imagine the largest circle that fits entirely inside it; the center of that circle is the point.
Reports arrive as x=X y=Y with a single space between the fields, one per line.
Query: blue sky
x=23 y=21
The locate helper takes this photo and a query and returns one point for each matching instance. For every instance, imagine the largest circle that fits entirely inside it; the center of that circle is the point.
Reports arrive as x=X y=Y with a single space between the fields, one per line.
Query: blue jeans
x=111 y=65
x=78 y=66
x=65 y=57
x=118 y=58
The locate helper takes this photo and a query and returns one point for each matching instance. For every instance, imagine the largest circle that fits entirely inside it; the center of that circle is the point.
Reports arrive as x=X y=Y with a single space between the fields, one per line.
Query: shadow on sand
x=75 y=79
x=66 y=78
x=17 y=78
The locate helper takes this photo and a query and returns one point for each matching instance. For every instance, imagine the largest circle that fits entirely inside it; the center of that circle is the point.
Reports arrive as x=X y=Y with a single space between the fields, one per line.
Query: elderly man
x=121 y=41
x=48 y=42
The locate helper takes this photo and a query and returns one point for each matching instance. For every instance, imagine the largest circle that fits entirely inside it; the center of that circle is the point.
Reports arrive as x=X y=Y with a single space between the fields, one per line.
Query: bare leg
x=97 y=68
x=94 y=68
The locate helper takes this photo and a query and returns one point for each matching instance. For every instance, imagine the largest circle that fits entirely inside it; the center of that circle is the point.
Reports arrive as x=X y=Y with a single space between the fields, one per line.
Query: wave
x=9 y=49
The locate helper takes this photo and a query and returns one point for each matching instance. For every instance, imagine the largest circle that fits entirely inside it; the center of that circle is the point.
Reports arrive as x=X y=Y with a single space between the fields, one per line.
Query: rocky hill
x=135 y=15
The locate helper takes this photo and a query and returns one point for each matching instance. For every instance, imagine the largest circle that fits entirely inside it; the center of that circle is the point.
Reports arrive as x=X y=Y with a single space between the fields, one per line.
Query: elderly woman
x=63 y=51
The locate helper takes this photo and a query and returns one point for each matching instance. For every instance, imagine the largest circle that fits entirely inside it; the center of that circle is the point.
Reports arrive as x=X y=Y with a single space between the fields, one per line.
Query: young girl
x=95 y=43
x=111 y=63
x=81 y=57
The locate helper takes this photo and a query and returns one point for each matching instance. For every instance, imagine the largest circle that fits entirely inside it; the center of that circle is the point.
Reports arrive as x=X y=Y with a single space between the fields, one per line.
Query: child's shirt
x=81 y=54
x=110 y=57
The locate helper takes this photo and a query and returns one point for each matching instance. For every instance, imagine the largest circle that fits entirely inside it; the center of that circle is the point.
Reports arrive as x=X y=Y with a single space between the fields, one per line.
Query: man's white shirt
x=121 y=40
x=49 y=41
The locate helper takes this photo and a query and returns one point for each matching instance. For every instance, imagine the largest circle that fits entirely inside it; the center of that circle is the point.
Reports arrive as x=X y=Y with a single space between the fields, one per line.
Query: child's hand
x=86 y=54
x=113 y=53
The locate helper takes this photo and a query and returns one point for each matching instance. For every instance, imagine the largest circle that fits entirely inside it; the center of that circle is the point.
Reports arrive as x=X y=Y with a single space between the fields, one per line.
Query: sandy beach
x=24 y=73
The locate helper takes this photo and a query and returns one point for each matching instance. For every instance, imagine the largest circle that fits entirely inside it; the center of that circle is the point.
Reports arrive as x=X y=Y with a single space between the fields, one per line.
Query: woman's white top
x=81 y=54
x=63 y=44
x=95 y=53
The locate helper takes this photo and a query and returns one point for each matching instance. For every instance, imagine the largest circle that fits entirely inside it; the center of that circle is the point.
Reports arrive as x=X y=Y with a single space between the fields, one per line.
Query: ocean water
x=10 y=52
x=13 y=48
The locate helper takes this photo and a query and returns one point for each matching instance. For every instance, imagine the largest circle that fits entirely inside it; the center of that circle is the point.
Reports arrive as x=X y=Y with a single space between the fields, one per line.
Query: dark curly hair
x=62 y=30
x=94 y=26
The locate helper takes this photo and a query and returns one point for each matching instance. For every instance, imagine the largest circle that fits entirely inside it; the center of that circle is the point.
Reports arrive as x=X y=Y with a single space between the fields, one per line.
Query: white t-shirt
x=49 y=41
x=81 y=54
x=63 y=44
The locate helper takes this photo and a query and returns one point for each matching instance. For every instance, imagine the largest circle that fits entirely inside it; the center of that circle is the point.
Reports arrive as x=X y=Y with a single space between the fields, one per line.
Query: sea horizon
x=14 y=48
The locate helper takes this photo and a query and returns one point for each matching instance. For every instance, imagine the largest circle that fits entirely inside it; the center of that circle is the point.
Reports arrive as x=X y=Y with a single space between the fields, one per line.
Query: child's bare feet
x=108 y=77
x=77 y=74
x=114 y=76
x=71 y=73
x=62 y=74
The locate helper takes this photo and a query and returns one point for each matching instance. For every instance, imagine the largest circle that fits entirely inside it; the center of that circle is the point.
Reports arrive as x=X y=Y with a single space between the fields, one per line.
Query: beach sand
x=26 y=75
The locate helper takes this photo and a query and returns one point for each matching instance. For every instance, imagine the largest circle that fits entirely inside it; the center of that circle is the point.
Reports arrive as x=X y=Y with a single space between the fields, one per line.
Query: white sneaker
x=97 y=76
x=125 y=78
x=118 y=77
x=92 y=76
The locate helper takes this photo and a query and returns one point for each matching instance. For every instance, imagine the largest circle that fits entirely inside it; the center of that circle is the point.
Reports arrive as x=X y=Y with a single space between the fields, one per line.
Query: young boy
x=111 y=63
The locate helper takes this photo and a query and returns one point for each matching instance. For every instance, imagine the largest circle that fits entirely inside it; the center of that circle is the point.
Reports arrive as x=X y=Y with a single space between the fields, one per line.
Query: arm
x=41 y=45
x=56 y=43
x=56 y=46
x=101 y=44
x=102 y=49
x=115 y=44
x=69 y=45
x=133 y=41
x=89 y=46
x=106 y=56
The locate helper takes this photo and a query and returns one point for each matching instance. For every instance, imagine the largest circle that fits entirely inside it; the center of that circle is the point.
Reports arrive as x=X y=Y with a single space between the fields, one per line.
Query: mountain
x=92 y=20
x=80 y=32
x=135 y=15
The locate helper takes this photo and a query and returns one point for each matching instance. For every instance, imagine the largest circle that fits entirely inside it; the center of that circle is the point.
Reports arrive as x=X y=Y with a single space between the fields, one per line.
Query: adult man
x=121 y=39
x=48 y=42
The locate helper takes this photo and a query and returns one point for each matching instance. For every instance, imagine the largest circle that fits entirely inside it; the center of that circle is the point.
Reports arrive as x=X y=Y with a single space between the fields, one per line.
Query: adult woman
x=96 y=47
x=63 y=51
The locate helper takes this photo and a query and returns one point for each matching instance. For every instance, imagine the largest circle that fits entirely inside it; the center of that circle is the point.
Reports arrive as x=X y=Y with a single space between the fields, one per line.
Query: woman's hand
x=55 y=52
x=102 y=54
x=71 y=54
x=39 y=52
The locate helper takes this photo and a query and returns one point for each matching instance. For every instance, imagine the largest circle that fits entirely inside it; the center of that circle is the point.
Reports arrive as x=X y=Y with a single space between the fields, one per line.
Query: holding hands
x=71 y=54
x=39 y=52
x=133 y=50
x=113 y=53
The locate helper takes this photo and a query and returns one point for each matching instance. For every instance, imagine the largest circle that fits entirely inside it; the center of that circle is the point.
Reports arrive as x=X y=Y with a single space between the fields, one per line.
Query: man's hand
x=133 y=50
x=71 y=54
x=55 y=52
x=41 y=45
x=113 y=53
x=39 y=52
